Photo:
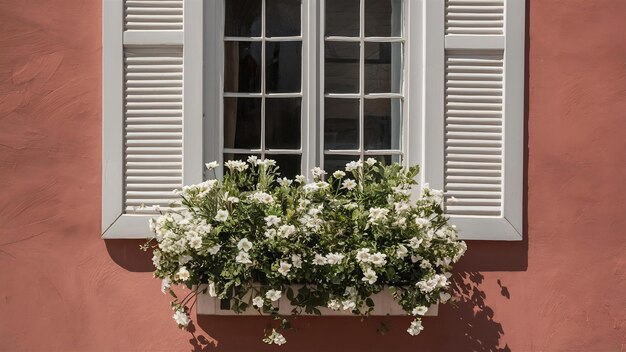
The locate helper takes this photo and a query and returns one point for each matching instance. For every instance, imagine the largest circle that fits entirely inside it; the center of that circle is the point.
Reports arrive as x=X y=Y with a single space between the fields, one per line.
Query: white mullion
x=295 y=38
x=362 y=77
x=241 y=95
x=241 y=151
x=363 y=152
x=243 y=39
x=283 y=95
x=384 y=39
x=263 y=26
x=384 y=95
x=342 y=95
x=333 y=38
x=321 y=88
x=284 y=151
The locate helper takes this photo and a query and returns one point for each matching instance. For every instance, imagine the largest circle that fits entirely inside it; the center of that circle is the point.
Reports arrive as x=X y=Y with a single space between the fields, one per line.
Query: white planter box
x=383 y=305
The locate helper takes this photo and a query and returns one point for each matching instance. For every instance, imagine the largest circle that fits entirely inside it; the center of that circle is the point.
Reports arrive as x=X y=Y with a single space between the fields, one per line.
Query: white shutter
x=152 y=109
x=474 y=113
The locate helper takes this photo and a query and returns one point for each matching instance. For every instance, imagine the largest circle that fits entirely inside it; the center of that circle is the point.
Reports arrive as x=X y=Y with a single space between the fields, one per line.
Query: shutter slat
x=153 y=15
x=473 y=133
x=474 y=17
x=153 y=126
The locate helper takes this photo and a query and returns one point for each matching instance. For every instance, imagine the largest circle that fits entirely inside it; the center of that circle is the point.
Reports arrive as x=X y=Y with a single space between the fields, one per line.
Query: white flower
x=334 y=304
x=319 y=259
x=415 y=242
x=401 y=207
x=370 y=161
x=243 y=258
x=369 y=276
x=284 y=268
x=334 y=258
x=165 y=285
x=339 y=174
x=275 y=338
x=222 y=215
x=266 y=162
x=270 y=233
x=183 y=274
x=261 y=197
x=419 y=310
x=378 y=215
x=253 y=159
x=195 y=242
x=296 y=260
x=349 y=184
x=258 y=302
x=286 y=230
x=213 y=250
x=181 y=318
x=232 y=200
x=311 y=187
x=348 y=304
x=422 y=222
x=378 y=259
x=415 y=328
x=300 y=179
x=317 y=172
x=363 y=255
x=212 y=292
x=212 y=165
x=237 y=165
x=401 y=252
x=184 y=259
x=272 y=220
x=273 y=295
x=244 y=245
x=424 y=264
x=285 y=182
x=353 y=165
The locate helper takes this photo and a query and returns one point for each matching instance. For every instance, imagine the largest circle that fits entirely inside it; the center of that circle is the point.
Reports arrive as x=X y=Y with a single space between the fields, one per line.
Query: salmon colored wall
x=563 y=288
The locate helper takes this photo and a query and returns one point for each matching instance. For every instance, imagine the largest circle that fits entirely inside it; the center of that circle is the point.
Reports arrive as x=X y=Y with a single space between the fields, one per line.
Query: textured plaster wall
x=62 y=288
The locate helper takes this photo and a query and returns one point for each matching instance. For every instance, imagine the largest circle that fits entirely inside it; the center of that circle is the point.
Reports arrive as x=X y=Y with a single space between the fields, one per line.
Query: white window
x=314 y=82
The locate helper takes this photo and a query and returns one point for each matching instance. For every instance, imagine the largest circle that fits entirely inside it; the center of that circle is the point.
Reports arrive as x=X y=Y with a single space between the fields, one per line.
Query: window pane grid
x=371 y=65
x=280 y=88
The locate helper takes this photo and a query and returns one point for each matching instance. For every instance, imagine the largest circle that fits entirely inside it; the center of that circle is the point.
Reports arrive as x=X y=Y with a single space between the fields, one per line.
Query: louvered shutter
x=152 y=109
x=474 y=105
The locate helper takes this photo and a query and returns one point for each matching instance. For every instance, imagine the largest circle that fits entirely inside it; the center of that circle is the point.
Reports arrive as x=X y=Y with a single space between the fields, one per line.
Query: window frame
x=312 y=126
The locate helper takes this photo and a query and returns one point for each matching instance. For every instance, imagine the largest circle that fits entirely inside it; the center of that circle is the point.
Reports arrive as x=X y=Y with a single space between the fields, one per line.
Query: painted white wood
x=383 y=301
x=473 y=116
x=152 y=109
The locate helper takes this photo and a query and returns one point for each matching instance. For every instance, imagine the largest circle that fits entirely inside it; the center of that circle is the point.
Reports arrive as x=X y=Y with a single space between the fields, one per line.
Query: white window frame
x=312 y=145
x=422 y=125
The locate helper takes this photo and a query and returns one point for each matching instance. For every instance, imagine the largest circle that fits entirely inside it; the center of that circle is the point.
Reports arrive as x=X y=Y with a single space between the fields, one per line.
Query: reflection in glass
x=341 y=67
x=283 y=18
x=341 y=123
x=243 y=18
x=282 y=123
x=290 y=165
x=333 y=163
x=383 y=18
x=242 y=67
x=383 y=124
x=383 y=67
x=284 y=67
x=242 y=123
x=342 y=18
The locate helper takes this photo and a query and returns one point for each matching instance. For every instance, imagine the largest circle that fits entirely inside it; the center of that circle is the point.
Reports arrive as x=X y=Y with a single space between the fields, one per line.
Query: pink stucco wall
x=563 y=288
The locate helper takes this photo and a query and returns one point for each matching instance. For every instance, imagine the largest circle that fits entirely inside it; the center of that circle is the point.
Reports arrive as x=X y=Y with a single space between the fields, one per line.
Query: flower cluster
x=342 y=237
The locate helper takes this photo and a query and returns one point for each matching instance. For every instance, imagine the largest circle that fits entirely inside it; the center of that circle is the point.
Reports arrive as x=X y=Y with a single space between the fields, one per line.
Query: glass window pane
x=333 y=163
x=282 y=123
x=242 y=123
x=242 y=67
x=383 y=67
x=243 y=18
x=283 y=18
x=383 y=18
x=284 y=67
x=383 y=124
x=290 y=165
x=341 y=123
x=342 y=18
x=341 y=67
